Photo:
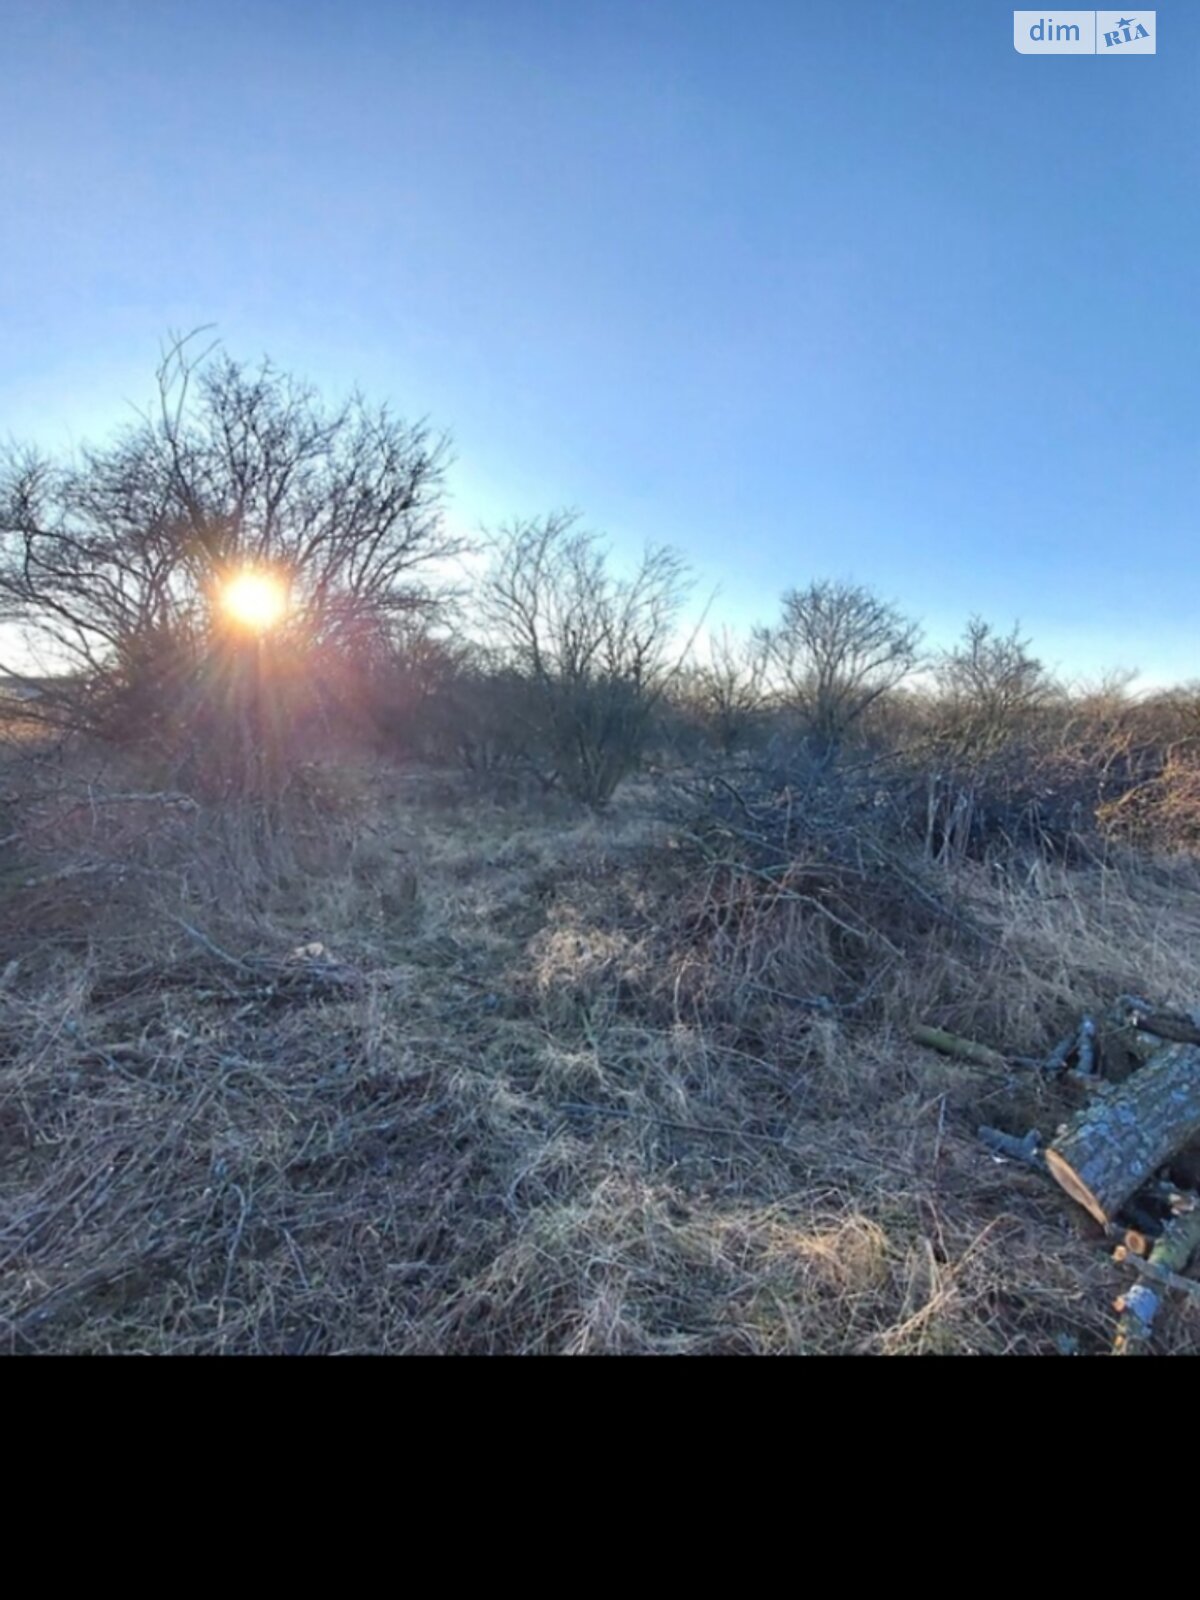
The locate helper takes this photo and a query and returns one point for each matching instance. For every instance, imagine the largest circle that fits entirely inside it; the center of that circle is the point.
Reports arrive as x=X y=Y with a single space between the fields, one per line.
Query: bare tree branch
x=836 y=650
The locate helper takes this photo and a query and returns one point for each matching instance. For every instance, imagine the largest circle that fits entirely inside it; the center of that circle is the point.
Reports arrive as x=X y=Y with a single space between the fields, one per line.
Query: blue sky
x=806 y=289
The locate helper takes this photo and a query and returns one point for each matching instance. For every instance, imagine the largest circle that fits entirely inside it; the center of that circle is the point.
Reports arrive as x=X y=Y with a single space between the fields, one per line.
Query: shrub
x=592 y=649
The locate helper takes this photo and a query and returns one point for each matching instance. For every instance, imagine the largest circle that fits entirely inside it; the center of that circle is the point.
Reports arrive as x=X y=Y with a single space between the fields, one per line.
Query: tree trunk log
x=1121 y=1138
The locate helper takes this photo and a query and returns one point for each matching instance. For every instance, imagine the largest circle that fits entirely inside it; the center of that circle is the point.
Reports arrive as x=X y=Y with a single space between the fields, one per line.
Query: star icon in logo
x=1126 y=22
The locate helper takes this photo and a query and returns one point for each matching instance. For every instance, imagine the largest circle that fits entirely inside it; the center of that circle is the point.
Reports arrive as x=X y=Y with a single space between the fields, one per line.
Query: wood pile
x=1130 y=1156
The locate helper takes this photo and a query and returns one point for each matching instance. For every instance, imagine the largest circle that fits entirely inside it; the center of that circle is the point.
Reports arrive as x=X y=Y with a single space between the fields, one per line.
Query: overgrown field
x=413 y=1070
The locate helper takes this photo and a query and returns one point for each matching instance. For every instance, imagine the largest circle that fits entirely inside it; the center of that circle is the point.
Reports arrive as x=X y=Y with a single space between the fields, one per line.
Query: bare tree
x=595 y=649
x=836 y=650
x=727 y=688
x=112 y=560
x=990 y=685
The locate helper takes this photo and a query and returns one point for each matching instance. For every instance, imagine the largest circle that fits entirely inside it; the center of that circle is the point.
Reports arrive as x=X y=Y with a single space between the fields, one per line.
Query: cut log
x=1157 y=1273
x=1121 y=1138
x=1166 y=1261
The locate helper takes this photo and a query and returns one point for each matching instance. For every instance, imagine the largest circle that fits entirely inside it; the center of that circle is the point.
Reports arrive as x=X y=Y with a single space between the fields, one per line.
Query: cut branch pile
x=1121 y=1154
x=1161 y=1270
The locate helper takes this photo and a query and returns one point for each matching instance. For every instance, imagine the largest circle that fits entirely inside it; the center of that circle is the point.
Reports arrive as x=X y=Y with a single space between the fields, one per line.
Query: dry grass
x=547 y=1088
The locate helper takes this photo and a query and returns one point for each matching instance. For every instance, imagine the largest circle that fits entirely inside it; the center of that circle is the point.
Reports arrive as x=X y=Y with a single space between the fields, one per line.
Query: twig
x=817 y=1002
x=206 y=943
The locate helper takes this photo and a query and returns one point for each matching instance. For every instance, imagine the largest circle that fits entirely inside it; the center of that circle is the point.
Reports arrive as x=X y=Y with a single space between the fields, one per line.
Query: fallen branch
x=299 y=971
x=1177 y=1026
x=206 y=943
x=1028 y=1150
x=1057 y=1060
x=1086 y=1065
x=952 y=1044
x=1126 y=1256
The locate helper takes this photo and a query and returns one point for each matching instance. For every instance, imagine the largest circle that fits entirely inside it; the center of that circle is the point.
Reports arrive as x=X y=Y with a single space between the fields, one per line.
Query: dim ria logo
x=1084 y=33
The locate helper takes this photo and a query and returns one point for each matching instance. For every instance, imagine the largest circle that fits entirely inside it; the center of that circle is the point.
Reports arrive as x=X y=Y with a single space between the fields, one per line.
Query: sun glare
x=254 y=600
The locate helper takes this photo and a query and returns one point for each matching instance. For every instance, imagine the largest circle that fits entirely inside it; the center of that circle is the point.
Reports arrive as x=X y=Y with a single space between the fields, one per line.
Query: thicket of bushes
x=965 y=766
x=554 y=668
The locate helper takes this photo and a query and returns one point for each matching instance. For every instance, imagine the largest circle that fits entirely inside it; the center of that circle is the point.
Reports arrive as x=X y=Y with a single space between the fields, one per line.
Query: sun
x=254 y=600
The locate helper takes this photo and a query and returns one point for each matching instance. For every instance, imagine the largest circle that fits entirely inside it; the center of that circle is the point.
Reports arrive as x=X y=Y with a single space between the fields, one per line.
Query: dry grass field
x=427 y=1072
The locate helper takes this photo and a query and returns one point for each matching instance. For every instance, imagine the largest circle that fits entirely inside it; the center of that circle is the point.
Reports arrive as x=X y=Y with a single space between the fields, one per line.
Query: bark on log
x=1121 y=1138
x=1184 y=1171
